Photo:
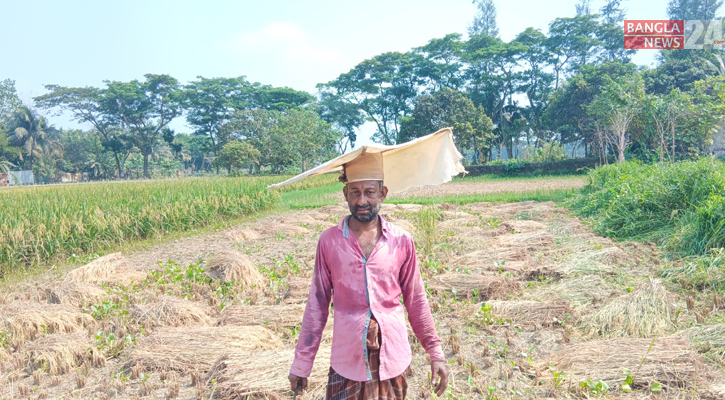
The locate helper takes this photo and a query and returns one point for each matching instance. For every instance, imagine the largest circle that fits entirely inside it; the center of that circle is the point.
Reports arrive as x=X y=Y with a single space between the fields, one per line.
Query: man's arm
x=421 y=319
x=314 y=320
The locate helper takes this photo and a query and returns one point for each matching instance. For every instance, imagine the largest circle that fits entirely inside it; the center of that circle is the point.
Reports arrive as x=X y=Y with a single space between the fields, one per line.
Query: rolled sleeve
x=416 y=304
x=315 y=317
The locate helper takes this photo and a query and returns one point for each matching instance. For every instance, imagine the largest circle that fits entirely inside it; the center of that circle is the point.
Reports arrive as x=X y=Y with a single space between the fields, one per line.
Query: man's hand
x=295 y=380
x=438 y=370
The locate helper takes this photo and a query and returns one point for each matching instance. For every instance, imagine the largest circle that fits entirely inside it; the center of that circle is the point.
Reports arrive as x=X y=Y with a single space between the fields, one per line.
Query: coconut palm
x=33 y=135
x=5 y=166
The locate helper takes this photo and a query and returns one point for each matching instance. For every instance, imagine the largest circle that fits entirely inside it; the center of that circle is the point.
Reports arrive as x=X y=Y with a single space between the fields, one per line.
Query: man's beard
x=365 y=218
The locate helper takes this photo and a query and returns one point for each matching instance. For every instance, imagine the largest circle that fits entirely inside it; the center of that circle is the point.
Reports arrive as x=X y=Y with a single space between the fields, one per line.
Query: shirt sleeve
x=315 y=317
x=416 y=303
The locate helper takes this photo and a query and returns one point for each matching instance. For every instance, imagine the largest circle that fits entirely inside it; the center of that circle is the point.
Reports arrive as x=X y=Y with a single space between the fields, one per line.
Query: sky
x=297 y=44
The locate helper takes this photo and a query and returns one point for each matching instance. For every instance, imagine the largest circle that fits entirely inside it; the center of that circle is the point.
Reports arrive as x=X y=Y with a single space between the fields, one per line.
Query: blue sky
x=282 y=43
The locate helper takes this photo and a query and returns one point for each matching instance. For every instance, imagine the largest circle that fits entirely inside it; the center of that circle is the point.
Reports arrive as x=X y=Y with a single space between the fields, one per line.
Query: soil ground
x=513 y=287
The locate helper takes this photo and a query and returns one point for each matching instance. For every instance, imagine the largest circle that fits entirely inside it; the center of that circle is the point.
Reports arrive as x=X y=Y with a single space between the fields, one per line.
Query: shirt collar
x=345 y=228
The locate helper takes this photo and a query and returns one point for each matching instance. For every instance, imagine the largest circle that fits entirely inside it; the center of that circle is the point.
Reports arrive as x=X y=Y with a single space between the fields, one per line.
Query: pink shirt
x=361 y=289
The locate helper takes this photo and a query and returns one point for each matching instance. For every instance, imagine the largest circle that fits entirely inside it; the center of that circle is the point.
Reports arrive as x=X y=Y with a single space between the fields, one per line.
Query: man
x=365 y=264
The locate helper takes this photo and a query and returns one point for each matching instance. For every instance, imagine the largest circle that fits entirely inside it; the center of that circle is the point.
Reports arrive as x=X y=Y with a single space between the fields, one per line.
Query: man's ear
x=344 y=191
x=385 y=192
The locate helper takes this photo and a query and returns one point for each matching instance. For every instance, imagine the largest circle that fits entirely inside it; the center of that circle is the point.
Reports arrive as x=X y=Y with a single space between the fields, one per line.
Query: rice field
x=47 y=224
x=528 y=301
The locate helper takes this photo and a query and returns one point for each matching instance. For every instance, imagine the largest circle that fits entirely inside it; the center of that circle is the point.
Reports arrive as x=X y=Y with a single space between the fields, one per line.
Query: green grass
x=497 y=198
x=498 y=178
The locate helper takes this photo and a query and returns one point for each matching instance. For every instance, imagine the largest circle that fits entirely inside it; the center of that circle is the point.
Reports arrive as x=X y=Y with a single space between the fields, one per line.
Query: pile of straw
x=242 y=374
x=579 y=291
x=298 y=289
x=522 y=226
x=532 y=313
x=475 y=286
x=524 y=270
x=278 y=316
x=111 y=268
x=196 y=348
x=74 y=293
x=170 y=311
x=707 y=339
x=670 y=361
x=489 y=256
x=648 y=311
x=530 y=240
x=234 y=266
x=241 y=235
x=59 y=353
x=28 y=320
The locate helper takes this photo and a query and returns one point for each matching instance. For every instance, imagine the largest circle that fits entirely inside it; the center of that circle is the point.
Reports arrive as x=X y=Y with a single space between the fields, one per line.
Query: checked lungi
x=340 y=388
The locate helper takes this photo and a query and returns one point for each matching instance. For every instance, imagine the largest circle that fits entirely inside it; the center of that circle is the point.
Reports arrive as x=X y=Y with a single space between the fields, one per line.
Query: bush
x=679 y=205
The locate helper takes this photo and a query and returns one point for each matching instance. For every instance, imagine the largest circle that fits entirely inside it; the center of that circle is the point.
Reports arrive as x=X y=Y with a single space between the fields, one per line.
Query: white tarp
x=21 y=177
x=429 y=160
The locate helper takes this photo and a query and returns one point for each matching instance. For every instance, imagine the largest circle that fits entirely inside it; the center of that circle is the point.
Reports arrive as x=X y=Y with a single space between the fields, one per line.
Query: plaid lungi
x=340 y=388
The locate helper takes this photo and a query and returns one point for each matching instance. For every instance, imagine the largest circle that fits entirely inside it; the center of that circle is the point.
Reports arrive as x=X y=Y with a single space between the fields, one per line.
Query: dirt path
x=528 y=303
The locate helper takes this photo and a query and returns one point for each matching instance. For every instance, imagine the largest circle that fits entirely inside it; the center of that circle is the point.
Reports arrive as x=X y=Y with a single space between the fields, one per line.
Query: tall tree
x=693 y=9
x=9 y=100
x=442 y=66
x=484 y=23
x=146 y=108
x=211 y=102
x=491 y=77
x=535 y=80
x=573 y=42
x=383 y=88
x=269 y=97
x=33 y=135
x=612 y=12
x=472 y=128
x=86 y=106
x=344 y=116
x=583 y=7
x=617 y=105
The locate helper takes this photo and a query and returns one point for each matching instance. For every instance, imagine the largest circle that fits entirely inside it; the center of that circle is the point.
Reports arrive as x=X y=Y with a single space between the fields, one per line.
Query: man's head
x=365 y=198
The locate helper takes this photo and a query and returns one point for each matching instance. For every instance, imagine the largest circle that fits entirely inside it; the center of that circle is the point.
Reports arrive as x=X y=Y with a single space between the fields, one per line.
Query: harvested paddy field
x=529 y=303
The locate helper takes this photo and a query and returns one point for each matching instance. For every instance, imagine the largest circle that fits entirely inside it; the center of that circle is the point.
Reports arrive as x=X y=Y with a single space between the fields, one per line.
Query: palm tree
x=32 y=133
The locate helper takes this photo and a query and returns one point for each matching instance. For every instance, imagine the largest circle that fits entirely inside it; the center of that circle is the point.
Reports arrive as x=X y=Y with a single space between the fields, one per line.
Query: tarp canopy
x=429 y=160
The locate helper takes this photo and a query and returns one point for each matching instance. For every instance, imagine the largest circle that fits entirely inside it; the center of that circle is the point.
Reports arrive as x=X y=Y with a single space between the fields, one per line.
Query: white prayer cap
x=429 y=160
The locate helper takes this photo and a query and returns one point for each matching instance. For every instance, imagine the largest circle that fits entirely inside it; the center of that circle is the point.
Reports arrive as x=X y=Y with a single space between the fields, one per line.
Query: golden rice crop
x=41 y=224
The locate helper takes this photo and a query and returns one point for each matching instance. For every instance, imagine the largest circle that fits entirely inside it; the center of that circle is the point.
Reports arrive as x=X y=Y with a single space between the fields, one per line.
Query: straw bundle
x=234 y=266
x=532 y=313
x=710 y=339
x=279 y=316
x=298 y=289
x=239 y=375
x=470 y=286
x=111 y=268
x=607 y=255
x=59 y=353
x=489 y=256
x=522 y=226
x=196 y=348
x=529 y=240
x=28 y=320
x=170 y=311
x=74 y=293
x=578 y=291
x=670 y=361
x=241 y=235
x=648 y=311
x=524 y=270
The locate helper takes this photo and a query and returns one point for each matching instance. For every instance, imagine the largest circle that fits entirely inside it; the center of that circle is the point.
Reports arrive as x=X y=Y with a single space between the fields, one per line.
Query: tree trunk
x=146 y=164
x=118 y=164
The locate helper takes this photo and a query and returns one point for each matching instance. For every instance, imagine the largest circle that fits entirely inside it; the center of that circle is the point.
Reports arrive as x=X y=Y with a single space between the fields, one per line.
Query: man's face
x=364 y=199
